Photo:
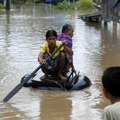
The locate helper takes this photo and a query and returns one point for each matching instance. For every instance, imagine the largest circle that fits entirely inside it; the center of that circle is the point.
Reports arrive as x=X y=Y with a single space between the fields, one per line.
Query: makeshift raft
x=74 y=82
x=94 y=17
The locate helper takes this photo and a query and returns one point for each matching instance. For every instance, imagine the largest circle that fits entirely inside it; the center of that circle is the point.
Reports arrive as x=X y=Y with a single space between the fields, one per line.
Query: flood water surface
x=95 y=46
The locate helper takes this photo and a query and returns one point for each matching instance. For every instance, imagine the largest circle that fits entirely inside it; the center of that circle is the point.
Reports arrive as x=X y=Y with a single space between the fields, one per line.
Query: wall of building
x=109 y=11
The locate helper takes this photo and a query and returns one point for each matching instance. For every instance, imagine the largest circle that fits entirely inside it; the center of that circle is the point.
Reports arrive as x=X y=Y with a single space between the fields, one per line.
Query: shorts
x=51 y=64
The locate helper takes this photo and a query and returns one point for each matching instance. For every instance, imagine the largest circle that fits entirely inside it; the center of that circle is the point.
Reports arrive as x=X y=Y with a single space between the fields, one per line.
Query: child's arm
x=67 y=49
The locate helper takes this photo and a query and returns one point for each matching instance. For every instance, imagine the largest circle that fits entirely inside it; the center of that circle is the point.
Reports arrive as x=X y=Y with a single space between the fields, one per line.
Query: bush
x=97 y=1
x=81 y=5
x=18 y=1
x=65 y=5
x=85 y=4
x=1 y=6
x=15 y=1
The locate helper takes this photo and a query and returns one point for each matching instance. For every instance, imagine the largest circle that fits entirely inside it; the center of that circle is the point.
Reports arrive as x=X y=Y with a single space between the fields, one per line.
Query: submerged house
x=110 y=10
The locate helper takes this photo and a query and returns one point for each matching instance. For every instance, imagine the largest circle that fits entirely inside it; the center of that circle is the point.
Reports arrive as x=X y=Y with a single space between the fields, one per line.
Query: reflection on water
x=95 y=46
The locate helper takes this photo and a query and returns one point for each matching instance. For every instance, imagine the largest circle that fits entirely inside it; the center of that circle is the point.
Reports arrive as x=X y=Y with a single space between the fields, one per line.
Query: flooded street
x=22 y=30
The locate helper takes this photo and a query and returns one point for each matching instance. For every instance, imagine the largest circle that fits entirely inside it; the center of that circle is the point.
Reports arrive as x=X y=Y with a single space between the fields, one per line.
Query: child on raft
x=67 y=34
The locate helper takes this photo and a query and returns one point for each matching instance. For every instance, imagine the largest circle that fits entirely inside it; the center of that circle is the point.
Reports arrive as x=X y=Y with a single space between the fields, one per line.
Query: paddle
x=20 y=85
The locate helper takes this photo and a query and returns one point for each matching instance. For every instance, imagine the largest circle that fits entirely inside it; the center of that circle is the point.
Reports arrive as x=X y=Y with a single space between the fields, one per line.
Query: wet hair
x=50 y=33
x=67 y=27
x=111 y=81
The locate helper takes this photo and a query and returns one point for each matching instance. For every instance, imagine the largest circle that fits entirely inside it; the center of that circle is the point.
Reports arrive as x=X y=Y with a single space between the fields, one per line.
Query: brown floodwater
x=95 y=46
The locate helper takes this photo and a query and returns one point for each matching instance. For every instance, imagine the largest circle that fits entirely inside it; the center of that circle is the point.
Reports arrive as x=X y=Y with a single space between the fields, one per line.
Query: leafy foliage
x=86 y=3
x=81 y=5
x=18 y=1
x=1 y=6
x=65 y=5
x=97 y=1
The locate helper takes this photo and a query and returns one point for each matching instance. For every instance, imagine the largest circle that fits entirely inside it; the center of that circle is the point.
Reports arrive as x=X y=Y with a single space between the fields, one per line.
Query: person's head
x=51 y=37
x=68 y=29
x=111 y=82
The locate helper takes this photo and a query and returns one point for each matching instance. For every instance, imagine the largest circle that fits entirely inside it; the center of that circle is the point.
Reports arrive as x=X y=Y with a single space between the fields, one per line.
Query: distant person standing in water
x=67 y=34
x=111 y=89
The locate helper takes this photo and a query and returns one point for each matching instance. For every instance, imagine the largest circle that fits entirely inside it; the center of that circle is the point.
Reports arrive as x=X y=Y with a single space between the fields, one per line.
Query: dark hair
x=111 y=81
x=66 y=28
x=50 y=33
